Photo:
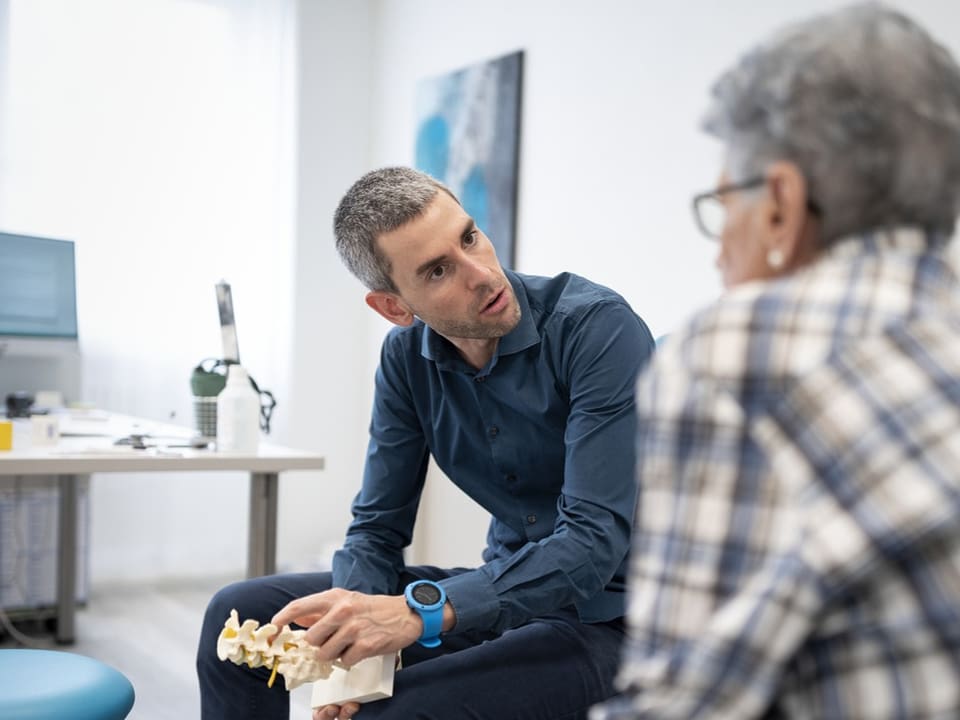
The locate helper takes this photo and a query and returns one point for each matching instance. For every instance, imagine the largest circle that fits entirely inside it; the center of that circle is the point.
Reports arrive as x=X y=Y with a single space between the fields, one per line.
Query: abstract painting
x=468 y=136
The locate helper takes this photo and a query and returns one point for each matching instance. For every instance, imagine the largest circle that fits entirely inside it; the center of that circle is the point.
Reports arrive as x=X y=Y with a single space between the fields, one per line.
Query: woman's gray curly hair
x=866 y=104
x=379 y=202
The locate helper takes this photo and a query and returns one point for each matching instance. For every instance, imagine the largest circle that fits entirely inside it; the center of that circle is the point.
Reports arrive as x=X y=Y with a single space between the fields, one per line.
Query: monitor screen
x=38 y=298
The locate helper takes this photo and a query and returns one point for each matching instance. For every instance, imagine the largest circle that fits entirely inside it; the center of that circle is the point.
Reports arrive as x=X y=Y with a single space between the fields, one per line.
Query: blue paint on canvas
x=468 y=127
x=433 y=146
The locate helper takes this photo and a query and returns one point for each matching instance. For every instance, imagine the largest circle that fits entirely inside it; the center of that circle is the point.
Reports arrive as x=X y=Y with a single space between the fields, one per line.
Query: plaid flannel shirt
x=797 y=549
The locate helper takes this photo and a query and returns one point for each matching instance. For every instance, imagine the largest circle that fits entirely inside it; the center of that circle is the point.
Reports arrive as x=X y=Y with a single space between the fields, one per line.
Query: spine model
x=284 y=651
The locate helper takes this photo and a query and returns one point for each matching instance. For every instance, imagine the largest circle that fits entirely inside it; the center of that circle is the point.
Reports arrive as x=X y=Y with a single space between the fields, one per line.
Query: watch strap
x=432 y=627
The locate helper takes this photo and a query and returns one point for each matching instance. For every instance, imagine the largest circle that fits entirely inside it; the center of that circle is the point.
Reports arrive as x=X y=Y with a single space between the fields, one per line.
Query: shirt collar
x=905 y=239
x=435 y=347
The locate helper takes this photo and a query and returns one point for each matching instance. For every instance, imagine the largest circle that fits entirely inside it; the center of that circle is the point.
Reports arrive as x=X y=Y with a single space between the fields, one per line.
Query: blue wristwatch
x=427 y=599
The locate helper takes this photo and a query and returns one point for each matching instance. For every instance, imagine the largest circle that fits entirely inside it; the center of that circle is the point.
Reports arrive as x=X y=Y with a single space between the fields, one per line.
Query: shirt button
x=531 y=519
x=494 y=431
x=479 y=378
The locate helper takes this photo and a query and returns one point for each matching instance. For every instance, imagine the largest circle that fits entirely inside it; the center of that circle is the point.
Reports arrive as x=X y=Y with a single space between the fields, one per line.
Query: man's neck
x=477 y=352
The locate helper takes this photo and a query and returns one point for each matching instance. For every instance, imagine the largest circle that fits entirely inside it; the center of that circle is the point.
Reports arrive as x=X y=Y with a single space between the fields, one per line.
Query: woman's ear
x=390 y=306
x=787 y=219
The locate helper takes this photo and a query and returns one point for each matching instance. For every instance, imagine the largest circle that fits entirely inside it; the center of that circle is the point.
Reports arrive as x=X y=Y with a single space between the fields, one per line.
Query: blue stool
x=47 y=684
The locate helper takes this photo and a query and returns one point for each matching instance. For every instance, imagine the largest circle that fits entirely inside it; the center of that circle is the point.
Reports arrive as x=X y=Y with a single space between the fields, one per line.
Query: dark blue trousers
x=552 y=668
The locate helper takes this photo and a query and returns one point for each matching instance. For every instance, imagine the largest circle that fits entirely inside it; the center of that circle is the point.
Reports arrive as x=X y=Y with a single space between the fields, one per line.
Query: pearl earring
x=775 y=258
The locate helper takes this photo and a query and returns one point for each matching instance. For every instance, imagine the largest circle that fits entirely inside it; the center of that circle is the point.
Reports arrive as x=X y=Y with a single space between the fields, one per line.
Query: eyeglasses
x=711 y=214
x=709 y=210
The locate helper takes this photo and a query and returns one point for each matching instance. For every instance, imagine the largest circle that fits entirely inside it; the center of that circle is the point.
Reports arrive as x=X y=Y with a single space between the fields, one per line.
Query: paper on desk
x=368 y=680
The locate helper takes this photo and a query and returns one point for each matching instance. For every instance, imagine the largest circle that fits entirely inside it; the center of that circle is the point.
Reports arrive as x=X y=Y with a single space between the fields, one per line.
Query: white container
x=44 y=429
x=238 y=414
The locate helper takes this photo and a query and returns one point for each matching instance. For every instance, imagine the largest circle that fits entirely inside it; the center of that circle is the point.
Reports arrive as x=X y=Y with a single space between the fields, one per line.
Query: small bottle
x=238 y=414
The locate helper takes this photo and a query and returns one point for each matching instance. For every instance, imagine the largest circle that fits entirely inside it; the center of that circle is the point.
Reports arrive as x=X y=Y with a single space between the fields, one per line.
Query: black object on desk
x=19 y=404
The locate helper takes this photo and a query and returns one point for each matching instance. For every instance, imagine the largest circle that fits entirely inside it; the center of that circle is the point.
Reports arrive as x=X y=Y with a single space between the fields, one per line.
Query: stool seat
x=48 y=684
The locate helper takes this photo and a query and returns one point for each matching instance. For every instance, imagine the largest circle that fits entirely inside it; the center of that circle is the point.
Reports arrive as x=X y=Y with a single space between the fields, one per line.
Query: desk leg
x=67 y=559
x=262 y=544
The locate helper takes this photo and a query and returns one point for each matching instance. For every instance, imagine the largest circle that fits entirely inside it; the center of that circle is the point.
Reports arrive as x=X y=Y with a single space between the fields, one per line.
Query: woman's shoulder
x=756 y=329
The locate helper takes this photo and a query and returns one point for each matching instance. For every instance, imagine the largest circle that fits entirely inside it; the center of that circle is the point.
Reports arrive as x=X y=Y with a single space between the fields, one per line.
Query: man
x=797 y=550
x=521 y=388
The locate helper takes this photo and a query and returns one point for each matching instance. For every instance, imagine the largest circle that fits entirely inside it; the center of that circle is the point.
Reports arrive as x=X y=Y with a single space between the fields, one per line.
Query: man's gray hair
x=379 y=202
x=866 y=104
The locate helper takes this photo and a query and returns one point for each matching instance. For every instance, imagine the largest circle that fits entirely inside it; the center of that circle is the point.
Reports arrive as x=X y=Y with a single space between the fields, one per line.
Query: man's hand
x=351 y=626
x=334 y=712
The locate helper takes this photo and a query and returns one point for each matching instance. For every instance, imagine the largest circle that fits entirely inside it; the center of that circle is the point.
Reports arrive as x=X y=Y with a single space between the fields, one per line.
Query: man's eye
x=437 y=273
x=471 y=237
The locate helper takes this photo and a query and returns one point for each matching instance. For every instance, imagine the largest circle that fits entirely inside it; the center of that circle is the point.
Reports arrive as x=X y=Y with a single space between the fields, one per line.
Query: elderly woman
x=797 y=550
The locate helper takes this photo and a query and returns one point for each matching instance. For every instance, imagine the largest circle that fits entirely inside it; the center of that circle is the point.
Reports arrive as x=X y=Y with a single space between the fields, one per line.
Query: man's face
x=743 y=251
x=447 y=274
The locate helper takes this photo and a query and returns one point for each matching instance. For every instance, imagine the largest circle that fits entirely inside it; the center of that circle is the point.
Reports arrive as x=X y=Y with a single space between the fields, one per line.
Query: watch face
x=426 y=594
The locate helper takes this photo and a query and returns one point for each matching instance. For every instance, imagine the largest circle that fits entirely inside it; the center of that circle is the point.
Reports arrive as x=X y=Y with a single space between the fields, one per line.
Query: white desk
x=90 y=449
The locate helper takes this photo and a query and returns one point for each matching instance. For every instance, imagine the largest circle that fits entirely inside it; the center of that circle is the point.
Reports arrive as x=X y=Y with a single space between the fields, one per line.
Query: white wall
x=329 y=410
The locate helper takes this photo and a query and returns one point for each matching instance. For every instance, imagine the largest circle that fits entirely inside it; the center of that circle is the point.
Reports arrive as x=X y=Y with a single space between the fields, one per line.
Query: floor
x=149 y=633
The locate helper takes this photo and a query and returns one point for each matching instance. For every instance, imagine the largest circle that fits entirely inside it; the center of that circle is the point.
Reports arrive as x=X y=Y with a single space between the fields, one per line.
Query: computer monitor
x=38 y=296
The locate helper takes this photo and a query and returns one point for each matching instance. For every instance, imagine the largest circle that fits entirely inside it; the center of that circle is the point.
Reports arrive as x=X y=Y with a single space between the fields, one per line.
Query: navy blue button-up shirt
x=542 y=438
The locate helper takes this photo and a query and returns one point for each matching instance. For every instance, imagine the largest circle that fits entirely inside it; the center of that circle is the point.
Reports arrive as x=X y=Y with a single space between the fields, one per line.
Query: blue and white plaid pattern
x=797 y=551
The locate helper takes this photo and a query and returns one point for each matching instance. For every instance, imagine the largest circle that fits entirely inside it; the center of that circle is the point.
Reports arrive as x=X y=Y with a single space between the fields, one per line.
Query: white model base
x=368 y=680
